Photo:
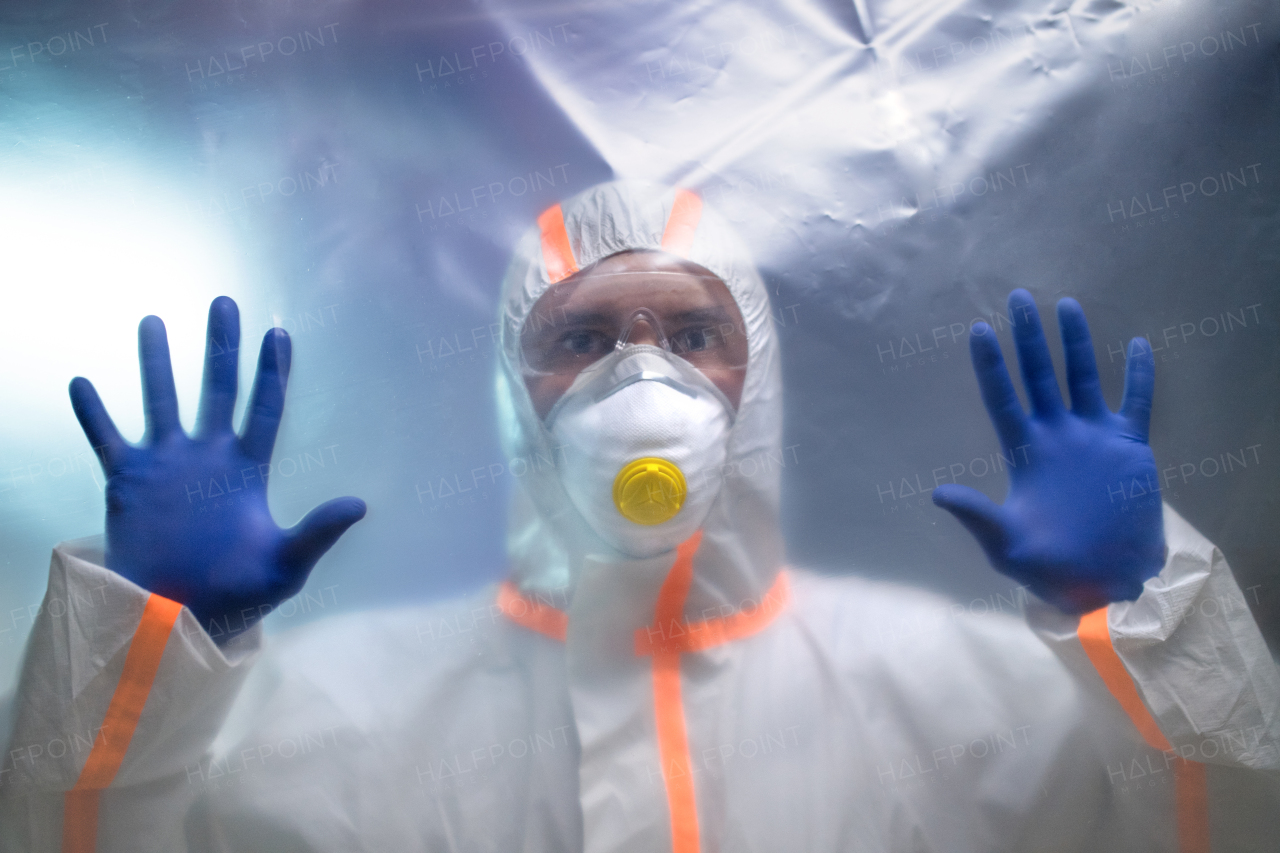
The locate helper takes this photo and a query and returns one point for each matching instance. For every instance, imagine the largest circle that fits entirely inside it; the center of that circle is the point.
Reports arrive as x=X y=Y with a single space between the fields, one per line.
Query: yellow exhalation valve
x=649 y=491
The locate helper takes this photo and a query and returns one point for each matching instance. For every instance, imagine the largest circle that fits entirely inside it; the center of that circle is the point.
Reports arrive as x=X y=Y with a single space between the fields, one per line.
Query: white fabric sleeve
x=1194 y=653
x=74 y=658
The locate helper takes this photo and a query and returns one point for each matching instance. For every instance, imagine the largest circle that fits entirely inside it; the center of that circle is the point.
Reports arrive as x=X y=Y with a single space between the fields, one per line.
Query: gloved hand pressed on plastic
x=1082 y=524
x=187 y=516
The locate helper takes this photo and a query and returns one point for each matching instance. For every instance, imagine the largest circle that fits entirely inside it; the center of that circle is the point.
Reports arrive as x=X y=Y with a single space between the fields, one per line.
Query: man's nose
x=643 y=332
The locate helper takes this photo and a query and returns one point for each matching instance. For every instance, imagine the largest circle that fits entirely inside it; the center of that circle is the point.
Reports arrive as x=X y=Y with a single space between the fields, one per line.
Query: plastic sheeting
x=358 y=173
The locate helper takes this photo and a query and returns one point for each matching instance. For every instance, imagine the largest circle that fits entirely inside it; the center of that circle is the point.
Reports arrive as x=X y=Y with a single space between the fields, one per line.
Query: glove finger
x=221 y=361
x=266 y=403
x=98 y=427
x=1139 y=387
x=980 y=515
x=1033 y=355
x=159 y=397
x=307 y=541
x=998 y=394
x=1082 y=368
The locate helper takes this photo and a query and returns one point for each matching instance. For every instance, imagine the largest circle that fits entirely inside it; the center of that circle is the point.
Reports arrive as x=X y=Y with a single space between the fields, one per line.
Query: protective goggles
x=577 y=323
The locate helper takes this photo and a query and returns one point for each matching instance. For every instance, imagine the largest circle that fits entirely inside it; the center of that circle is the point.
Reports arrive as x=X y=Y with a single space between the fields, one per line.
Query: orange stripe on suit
x=1191 y=792
x=557 y=254
x=141 y=662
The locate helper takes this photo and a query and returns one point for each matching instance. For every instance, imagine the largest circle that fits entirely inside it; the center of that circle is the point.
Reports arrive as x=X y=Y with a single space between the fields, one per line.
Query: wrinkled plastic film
x=363 y=175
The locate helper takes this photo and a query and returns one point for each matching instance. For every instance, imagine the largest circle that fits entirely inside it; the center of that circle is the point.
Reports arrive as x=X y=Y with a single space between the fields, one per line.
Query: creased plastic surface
x=360 y=173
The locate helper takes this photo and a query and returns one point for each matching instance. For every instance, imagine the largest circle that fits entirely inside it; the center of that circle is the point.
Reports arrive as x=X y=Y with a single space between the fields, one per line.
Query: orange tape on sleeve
x=534 y=615
x=1096 y=639
x=1191 y=789
x=80 y=820
x=682 y=223
x=141 y=662
x=557 y=254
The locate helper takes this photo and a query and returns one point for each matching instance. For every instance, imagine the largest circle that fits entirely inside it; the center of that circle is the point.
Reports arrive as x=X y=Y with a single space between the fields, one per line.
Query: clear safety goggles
x=577 y=323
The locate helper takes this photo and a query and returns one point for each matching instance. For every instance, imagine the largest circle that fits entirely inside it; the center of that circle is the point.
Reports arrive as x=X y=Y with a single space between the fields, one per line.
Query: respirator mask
x=640 y=442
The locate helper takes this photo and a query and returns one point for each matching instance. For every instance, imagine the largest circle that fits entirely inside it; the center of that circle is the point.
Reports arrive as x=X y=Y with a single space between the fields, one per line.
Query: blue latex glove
x=225 y=559
x=1082 y=524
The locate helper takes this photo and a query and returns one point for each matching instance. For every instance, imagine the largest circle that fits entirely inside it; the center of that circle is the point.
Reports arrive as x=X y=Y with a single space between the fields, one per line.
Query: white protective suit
x=703 y=700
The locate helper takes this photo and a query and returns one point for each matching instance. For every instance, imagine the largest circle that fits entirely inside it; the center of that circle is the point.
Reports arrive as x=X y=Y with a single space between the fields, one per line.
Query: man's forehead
x=647 y=273
x=642 y=260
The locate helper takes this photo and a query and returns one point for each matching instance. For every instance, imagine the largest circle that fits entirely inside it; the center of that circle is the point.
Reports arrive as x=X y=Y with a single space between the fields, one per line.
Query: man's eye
x=693 y=340
x=582 y=342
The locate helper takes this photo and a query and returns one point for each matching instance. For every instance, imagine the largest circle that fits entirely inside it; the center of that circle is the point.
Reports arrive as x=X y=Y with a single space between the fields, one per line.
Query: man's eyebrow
x=575 y=318
x=713 y=313
x=558 y=318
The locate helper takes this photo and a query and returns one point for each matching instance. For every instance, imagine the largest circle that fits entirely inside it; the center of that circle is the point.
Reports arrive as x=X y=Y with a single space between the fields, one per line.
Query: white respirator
x=641 y=437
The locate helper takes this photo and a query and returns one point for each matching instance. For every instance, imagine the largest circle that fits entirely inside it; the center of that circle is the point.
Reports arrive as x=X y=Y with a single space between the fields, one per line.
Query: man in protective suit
x=652 y=676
